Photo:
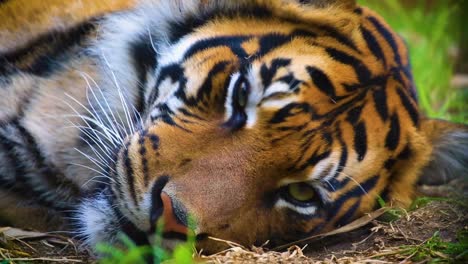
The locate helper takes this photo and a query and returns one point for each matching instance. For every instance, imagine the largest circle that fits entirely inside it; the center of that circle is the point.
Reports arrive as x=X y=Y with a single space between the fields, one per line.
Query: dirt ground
x=377 y=241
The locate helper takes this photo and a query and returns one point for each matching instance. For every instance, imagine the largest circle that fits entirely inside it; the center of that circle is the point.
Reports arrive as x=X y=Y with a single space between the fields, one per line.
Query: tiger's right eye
x=300 y=194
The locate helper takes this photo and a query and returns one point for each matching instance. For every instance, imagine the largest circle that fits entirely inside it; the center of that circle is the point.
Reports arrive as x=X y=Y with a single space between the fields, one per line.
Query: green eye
x=301 y=192
x=242 y=95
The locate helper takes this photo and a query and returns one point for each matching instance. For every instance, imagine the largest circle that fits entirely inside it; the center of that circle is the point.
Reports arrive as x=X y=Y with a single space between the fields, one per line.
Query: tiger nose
x=171 y=212
x=171 y=220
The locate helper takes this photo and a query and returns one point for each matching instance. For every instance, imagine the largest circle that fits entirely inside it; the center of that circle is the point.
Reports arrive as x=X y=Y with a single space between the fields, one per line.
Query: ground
x=437 y=231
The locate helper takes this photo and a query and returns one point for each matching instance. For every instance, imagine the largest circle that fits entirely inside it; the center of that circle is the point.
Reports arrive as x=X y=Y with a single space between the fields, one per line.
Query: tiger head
x=262 y=120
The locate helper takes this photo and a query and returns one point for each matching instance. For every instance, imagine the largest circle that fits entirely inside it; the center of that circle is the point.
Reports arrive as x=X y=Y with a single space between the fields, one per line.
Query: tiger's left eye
x=242 y=94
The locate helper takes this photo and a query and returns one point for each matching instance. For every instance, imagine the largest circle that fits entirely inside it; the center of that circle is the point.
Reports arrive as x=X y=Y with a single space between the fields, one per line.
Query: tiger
x=248 y=121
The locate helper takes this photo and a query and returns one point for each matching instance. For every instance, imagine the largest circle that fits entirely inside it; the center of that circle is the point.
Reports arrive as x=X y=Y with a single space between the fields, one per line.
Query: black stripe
x=389 y=36
x=21 y=169
x=291 y=81
x=290 y=110
x=362 y=72
x=358 y=191
x=157 y=206
x=360 y=140
x=393 y=136
x=390 y=163
x=405 y=153
x=409 y=106
x=154 y=141
x=343 y=157
x=49 y=51
x=348 y=215
x=358 y=11
x=206 y=89
x=373 y=45
x=354 y=114
x=7 y=148
x=173 y=71
x=334 y=182
x=144 y=161
x=345 y=40
x=314 y=159
x=234 y=42
x=322 y=82
x=267 y=73
x=144 y=60
x=138 y=236
x=271 y=41
x=130 y=174
x=190 y=114
x=179 y=29
x=267 y=43
x=50 y=174
x=56 y=191
x=380 y=102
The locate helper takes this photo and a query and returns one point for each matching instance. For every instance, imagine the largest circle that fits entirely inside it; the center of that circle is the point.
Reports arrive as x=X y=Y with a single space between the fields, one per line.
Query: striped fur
x=222 y=106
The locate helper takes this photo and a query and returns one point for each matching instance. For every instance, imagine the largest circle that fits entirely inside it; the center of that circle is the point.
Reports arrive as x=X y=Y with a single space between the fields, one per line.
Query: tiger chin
x=262 y=120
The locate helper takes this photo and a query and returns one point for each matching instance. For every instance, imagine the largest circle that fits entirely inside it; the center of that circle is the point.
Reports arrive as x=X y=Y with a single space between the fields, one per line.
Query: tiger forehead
x=248 y=35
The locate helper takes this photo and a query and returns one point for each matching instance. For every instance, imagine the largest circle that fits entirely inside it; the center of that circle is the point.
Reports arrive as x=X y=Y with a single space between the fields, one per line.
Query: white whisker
x=354 y=180
x=96 y=181
x=100 y=165
x=98 y=101
x=103 y=159
x=123 y=101
x=94 y=170
x=329 y=184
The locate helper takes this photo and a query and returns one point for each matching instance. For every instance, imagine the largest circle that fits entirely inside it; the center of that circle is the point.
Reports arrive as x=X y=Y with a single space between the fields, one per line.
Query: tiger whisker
x=119 y=90
x=104 y=111
x=109 y=134
x=103 y=159
x=329 y=184
x=95 y=138
x=102 y=166
x=105 y=151
x=93 y=179
x=153 y=46
x=94 y=170
x=354 y=180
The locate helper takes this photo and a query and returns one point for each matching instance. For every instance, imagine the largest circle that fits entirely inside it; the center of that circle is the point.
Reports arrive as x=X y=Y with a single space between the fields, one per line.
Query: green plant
x=392 y=213
x=436 y=250
x=131 y=253
x=431 y=33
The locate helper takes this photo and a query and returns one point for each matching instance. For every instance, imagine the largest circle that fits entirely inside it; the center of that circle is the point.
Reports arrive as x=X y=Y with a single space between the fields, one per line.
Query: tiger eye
x=242 y=95
x=301 y=192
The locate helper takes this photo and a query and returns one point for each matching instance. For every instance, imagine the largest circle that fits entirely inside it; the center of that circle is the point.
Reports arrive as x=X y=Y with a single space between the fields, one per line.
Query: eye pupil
x=301 y=192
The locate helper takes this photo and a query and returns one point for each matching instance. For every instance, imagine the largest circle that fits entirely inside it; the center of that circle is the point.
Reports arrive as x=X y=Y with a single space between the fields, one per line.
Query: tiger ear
x=449 y=158
x=346 y=4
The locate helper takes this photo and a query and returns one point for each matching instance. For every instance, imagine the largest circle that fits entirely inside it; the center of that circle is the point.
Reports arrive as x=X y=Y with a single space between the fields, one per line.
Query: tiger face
x=258 y=120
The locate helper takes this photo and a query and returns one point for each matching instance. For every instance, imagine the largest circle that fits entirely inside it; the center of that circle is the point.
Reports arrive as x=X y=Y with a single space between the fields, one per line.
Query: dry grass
x=367 y=240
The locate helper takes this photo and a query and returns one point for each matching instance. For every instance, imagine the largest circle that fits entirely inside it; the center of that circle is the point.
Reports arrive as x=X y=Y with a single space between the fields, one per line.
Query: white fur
x=309 y=210
x=97 y=221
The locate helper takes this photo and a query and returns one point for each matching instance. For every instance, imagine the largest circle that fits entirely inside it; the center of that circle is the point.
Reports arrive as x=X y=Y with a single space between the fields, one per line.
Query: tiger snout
x=160 y=183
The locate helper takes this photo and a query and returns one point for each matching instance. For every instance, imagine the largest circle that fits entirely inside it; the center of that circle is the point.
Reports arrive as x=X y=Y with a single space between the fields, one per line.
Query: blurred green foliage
x=434 y=33
x=130 y=253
